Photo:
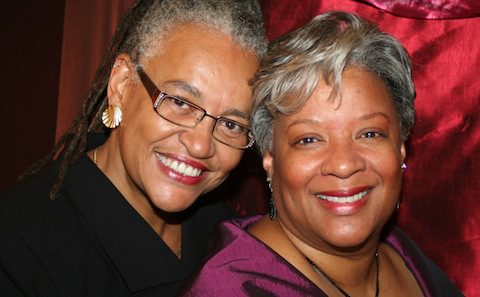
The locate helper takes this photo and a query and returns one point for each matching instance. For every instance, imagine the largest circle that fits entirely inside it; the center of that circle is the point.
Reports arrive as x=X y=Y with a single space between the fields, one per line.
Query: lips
x=343 y=199
x=179 y=167
x=344 y=202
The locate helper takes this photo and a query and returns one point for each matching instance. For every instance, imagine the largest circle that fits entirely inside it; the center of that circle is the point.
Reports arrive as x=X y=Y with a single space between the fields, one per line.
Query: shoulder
x=24 y=201
x=206 y=213
x=429 y=276
x=232 y=251
x=242 y=265
x=30 y=215
x=33 y=222
x=21 y=224
x=231 y=245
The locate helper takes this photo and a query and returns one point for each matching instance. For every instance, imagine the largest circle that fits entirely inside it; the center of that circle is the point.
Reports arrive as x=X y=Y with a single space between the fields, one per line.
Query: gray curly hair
x=240 y=19
x=322 y=49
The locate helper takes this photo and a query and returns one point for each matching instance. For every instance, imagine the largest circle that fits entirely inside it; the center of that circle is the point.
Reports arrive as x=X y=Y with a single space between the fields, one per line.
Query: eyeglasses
x=186 y=114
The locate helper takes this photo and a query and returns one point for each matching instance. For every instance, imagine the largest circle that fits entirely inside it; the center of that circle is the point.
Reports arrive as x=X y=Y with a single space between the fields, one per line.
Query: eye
x=231 y=128
x=307 y=140
x=172 y=106
x=373 y=134
x=179 y=103
x=231 y=125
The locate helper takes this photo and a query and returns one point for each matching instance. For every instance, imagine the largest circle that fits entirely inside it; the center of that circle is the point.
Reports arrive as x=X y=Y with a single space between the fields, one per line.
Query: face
x=335 y=164
x=157 y=163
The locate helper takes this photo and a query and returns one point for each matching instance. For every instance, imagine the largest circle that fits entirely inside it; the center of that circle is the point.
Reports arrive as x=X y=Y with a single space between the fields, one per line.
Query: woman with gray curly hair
x=333 y=108
x=124 y=212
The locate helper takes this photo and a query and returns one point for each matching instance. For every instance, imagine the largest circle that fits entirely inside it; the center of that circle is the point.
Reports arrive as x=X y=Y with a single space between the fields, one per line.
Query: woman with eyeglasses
x=116 y=213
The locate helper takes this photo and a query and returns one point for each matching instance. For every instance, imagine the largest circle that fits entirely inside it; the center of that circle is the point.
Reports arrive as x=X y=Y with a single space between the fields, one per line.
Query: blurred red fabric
x=440 y=208
x=87 y=29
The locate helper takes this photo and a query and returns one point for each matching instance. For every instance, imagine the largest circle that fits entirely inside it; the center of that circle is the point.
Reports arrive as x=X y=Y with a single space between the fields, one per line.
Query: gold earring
x=112 y=116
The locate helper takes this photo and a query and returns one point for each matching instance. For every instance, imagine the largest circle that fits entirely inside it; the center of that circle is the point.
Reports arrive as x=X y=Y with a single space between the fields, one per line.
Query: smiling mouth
x=179 y=167
x=345 y=199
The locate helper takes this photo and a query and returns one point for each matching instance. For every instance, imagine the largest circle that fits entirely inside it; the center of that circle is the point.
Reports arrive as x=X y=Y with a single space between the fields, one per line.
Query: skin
x=342 y=147
x=186 y=64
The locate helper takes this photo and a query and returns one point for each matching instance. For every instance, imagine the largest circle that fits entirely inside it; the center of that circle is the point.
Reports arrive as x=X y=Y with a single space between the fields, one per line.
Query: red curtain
x=88 y=27
x=442 y=183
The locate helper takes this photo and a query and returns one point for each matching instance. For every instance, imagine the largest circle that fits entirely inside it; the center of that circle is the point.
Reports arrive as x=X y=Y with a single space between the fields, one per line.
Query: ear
x=119 y=76
x=268 y=163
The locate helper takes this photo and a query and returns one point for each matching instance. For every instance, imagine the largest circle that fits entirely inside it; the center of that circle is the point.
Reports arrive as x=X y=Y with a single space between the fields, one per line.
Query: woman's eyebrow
x=238 y=113
x=196 y=93
x=185 y=87
x=373 y=115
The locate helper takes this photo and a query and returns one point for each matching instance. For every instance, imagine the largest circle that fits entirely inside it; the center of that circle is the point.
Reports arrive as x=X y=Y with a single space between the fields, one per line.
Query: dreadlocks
x=73 y=142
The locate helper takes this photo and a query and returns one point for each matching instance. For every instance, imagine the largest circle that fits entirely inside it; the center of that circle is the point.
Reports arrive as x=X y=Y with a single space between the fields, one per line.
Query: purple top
x=241 y=265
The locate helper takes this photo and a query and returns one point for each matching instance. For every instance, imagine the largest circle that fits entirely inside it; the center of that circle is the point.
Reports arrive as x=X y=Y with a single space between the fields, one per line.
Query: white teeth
x=180 y=167
x=348 y=199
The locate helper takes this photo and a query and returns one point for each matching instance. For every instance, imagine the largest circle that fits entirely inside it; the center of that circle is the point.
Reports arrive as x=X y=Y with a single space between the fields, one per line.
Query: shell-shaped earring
x=112 y=116
x=404 y=166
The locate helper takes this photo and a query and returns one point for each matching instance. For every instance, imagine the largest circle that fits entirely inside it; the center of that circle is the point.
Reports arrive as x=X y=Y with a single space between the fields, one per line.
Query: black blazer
x=91 y=242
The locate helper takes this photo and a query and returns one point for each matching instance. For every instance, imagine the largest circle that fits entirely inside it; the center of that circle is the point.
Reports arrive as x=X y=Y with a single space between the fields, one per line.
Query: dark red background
x=51 y=49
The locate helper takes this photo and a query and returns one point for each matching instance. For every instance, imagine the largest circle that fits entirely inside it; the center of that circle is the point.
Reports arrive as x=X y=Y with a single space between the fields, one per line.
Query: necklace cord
x=320 y=272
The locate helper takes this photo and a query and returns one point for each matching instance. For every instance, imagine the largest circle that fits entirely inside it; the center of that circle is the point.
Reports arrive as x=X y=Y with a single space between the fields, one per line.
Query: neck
x=338 y=287
x=354 y=272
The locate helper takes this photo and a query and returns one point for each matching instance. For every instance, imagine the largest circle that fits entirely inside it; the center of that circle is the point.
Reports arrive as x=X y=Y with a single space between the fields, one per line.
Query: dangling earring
x=272 y=213
x=269 y=182
x=404 y=167
x=112 y=116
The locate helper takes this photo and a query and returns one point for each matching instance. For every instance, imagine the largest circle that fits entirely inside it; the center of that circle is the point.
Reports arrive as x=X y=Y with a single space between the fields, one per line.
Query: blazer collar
x=138 y=253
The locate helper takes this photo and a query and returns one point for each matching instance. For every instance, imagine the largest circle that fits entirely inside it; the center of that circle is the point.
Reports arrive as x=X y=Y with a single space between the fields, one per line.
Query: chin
x=351 y=239
x=173 y=205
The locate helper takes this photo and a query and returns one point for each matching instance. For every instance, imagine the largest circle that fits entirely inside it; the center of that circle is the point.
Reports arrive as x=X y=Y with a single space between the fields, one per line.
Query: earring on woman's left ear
x=269 y=182
x=112 y=116
x=272 y=212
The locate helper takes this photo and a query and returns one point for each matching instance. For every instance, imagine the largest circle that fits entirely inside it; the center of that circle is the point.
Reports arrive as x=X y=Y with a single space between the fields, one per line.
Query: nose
x=199 y=140
x=342 y=160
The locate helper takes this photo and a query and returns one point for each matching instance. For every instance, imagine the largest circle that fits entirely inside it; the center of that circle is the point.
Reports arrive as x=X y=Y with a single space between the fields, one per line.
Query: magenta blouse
x=241 y=265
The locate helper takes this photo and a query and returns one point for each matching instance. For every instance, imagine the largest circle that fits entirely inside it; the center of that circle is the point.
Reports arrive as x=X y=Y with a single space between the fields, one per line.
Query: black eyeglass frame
x=157 y=96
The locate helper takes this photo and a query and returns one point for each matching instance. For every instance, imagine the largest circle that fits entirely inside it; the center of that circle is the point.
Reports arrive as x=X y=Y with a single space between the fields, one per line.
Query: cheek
x=387 y=164
x=292 y=172
x=389 y=171
x=228 y=159
x=138 y=133
x=297 y=165
x=138 y=112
